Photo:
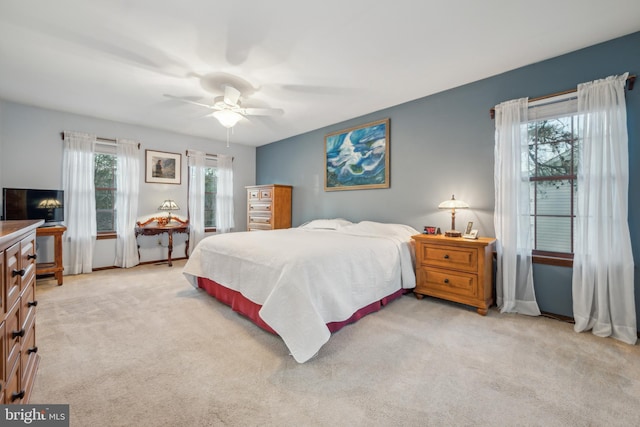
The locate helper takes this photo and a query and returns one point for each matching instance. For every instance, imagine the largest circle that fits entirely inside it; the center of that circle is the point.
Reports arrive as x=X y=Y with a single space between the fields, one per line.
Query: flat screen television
x=28 y=203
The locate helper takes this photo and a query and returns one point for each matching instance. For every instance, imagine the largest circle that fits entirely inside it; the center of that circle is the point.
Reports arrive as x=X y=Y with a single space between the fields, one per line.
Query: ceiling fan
x=228 y=110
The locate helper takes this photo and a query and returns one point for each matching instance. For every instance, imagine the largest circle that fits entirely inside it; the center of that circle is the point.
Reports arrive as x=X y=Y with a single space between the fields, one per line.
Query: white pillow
x=326 y=224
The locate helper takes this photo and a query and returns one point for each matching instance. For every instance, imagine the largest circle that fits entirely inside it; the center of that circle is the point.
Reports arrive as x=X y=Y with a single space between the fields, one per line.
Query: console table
x=56 y=266
x=146 y=229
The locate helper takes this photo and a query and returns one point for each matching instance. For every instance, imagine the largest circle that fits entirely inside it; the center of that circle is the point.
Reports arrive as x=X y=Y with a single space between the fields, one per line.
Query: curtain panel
x=224 y=196
x=126 y=206
x=603 y=276
x=197 y=164
x=79 y=201
x=512 y=220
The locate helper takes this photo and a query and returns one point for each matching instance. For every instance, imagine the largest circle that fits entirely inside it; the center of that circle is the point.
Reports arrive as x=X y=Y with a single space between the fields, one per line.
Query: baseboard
x=567 y=319
x=160 y=261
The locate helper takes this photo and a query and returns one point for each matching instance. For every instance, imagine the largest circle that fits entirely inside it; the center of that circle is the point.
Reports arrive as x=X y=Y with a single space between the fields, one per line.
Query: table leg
x=170 y=248
x=57 y=241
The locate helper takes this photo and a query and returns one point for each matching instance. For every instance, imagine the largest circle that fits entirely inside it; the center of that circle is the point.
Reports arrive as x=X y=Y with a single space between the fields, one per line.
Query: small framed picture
x=469 y=227
x=162 y=167
x=473 y=235
x=429 y=229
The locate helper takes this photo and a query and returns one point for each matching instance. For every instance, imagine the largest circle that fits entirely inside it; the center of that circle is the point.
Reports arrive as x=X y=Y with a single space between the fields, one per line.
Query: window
x=552 y=165
x=210 y=190
x=105 y=190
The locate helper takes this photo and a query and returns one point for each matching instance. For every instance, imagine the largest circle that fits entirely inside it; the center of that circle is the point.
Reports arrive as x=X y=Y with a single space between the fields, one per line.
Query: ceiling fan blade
x=231 y=95
x=262 y=111
x=188 y=101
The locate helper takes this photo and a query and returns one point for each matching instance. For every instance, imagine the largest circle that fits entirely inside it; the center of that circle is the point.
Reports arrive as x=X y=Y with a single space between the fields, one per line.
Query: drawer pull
x=446 y=280
x=32 y=350
x=15 y=273
x=16 y=334
x=32 y=256
x=16 y=396
x=446 y=257
x=32 y=303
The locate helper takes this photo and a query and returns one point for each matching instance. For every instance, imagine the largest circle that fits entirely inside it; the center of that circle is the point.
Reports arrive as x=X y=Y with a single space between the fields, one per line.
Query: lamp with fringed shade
x=453 y=204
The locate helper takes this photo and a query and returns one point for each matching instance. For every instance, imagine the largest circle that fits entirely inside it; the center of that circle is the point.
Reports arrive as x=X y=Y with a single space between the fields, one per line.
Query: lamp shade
x=169 y=205
x=50 y=204
x=453 y=204
x=227 y=118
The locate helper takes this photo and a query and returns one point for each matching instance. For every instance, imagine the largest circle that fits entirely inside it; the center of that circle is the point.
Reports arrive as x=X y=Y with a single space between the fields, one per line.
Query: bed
x=306 y=282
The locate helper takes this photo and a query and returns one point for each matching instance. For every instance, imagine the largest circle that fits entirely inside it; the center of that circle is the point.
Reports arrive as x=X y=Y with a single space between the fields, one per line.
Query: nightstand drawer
x=465 y=259
x=448 y=282
x=253 y=194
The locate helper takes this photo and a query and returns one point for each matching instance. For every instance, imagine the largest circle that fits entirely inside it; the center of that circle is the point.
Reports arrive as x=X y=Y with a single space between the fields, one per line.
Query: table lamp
x=168 y=205
x=453 y=204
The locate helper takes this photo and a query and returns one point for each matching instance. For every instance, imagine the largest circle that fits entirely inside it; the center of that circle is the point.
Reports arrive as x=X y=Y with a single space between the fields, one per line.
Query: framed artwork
x=162 y=167
x=357 y=158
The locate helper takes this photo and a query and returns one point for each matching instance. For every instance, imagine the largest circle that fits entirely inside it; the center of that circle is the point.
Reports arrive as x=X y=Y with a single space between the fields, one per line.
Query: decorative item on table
x=453 y=204
x=469 y=232
x=429 y=229
x=167 y=205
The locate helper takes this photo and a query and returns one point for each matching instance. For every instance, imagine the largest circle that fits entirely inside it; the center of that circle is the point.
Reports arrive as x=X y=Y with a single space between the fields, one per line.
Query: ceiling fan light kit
x=227 y=118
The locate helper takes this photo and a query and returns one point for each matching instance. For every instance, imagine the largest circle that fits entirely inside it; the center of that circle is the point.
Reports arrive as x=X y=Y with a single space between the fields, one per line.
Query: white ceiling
x=322 y=62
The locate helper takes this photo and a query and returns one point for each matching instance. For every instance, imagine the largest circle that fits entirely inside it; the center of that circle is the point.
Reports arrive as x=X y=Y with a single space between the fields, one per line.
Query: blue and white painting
x=358 y=158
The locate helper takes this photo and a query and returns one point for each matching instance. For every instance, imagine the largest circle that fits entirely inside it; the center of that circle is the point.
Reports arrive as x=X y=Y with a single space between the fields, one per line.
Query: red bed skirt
x=250 y=309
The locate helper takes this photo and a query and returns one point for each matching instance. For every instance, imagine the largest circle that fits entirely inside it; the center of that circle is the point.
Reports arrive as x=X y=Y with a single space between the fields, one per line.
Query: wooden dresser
x=19 y=361
x=455 y=269
x=268 y=207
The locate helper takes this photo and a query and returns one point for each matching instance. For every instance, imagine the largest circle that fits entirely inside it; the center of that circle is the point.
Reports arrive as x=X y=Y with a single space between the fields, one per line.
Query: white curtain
x=603 y=288
x=79 y=201
x=512 y=220
x=126 y=207
x=224 y=195
x=197 y=163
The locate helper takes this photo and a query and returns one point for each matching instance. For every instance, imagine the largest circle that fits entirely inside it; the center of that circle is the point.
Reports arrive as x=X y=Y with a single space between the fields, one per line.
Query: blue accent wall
x=443 y=144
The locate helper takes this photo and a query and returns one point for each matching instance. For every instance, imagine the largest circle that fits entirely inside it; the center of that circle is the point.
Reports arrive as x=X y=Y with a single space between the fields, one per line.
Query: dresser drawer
x=255 y=226
x=12 y=392
x=465 y=259
x=259 y=207
x=448 y=282
x=12 y=275
x=253 y=194
x=29 y=352
x=259 y=220
x=28 y=305
x=13 y=331
x=28 y=260
x=266 y=194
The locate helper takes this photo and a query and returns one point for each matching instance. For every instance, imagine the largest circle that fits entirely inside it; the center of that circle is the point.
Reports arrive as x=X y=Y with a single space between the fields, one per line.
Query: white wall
x=31 y=157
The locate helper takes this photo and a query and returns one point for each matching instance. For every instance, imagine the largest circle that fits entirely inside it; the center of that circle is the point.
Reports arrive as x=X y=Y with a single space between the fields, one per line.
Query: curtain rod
x=630 y=82
x=98 y=138
x=212 y=156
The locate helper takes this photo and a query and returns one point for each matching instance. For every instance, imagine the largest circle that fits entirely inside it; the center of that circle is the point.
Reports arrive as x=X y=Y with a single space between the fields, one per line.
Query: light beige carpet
x=141 y=347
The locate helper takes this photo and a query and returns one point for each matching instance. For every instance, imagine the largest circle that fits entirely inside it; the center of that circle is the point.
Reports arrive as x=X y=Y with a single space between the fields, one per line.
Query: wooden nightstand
x=455 y=269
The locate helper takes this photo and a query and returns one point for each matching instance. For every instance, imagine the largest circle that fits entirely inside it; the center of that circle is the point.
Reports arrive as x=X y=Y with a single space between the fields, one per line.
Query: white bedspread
x=306 y=278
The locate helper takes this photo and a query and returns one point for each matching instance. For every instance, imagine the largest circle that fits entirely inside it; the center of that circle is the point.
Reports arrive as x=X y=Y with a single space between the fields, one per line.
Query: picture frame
x=162 y=167
x=472 y=235
x=430 y=229
x=469 y=227
x=357 y=158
